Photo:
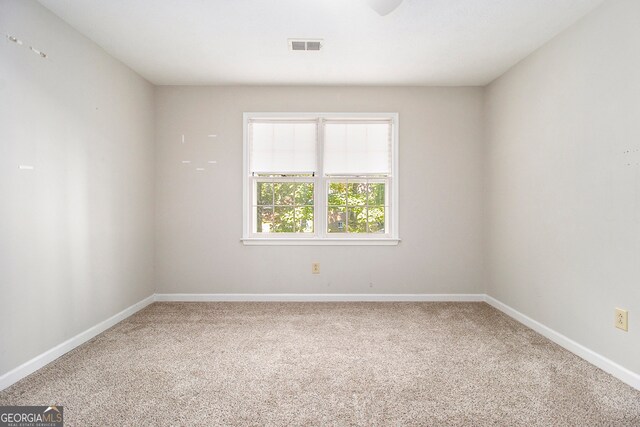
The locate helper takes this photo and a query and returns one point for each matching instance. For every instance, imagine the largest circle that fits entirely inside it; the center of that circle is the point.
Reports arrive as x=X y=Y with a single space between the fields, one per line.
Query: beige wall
x=76 y=233
x=563 y=162
x=199 y=214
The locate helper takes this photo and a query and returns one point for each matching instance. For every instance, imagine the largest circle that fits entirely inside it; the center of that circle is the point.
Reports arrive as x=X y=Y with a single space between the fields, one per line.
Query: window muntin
x=354 y=153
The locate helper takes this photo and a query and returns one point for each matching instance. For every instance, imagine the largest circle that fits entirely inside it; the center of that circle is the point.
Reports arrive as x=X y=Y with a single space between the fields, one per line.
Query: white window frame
x=320 y=235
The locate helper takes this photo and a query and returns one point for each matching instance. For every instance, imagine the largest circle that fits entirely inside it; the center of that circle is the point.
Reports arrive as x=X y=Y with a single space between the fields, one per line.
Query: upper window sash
x=283 y=147
x=359 y=147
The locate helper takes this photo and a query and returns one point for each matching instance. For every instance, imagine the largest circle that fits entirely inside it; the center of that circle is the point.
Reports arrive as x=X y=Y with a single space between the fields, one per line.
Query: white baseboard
x=50 y=355
x=320 y=297
x=607 y=365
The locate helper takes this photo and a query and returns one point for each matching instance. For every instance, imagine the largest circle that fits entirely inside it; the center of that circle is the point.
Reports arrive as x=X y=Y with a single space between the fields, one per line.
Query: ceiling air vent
x=305 y=44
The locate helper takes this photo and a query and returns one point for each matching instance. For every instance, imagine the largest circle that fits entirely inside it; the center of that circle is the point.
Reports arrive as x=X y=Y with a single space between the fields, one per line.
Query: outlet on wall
x=315 y=268
x=622 y=319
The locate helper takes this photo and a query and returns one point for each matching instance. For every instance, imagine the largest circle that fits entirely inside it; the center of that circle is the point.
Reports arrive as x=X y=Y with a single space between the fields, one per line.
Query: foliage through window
x=320 y=176
x=284 y=207
x=356 y=206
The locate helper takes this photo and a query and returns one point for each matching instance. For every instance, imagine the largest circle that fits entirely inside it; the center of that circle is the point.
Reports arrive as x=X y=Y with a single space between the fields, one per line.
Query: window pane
x=337 y=193
x=304 y=193
x=264 y=219
x=357 y=194
x=336 y=220
x=357 y=206
x=284 y=220
x=304 y=219
x=283 y=147
x=284 y=193
x=357 y=148
x=376 y=194
x=376 y=218
x=265 y=193
x=284 y=207
x=357 y=220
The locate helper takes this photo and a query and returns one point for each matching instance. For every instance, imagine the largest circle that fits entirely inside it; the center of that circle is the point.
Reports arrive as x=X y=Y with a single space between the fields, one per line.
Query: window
x=320 y=178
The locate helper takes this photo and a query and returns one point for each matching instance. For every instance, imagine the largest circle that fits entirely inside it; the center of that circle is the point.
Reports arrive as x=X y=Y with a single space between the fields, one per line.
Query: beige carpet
x=430 y=364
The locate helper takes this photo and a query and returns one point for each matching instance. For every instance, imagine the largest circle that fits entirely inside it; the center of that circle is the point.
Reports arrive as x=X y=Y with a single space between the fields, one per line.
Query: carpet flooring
x=367 y=364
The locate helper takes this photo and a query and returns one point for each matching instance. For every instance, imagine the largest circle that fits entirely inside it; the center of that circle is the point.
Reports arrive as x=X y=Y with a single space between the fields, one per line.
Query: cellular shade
x=283 y=147
x=357 y=148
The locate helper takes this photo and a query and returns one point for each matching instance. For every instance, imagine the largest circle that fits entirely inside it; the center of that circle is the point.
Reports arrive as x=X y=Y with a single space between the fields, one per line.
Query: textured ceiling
x=422 y=42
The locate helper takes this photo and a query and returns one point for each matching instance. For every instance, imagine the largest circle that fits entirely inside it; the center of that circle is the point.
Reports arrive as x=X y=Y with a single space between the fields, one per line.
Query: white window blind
x=283 y=147
x=357 y=148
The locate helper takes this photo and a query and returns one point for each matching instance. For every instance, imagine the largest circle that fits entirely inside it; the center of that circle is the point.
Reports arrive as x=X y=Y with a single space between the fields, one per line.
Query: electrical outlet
x=622 y=319
x=315 y=268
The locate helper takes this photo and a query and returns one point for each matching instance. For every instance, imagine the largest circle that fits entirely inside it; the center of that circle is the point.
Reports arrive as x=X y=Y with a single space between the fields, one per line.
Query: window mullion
x=366 y=205
x=253 y=203
x=320 y=208
x=346 y=207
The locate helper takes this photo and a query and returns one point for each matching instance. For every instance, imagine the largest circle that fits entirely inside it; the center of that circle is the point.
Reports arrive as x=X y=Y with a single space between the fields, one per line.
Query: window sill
x=261 y=241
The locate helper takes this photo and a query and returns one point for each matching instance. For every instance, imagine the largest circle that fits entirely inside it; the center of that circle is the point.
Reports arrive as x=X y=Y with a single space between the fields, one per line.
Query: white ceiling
x=422 y=42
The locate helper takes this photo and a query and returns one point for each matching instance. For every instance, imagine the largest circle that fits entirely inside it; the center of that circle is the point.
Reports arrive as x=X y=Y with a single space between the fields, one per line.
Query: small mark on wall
x=632 y=157
x=201 y=143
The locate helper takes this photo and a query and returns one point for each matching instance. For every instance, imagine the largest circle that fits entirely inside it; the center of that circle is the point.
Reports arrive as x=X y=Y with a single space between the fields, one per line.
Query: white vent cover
x=305 y=44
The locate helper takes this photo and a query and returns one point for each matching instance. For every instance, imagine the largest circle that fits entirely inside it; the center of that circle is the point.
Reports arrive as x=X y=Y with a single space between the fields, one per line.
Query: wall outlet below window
x=315 y=268
x=622 y=319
